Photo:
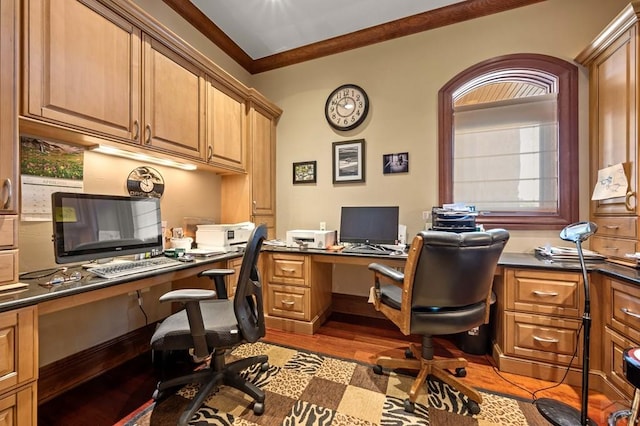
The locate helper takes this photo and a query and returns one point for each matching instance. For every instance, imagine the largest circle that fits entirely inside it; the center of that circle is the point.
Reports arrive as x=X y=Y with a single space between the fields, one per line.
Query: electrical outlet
x=323 y=226
x=425 y=215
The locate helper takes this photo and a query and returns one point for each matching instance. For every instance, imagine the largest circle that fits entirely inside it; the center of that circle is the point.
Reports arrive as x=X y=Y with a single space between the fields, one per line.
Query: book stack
x=568 y=254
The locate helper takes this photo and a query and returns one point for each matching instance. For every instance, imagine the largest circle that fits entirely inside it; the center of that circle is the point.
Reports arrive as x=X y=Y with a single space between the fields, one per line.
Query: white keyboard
x=133 y=267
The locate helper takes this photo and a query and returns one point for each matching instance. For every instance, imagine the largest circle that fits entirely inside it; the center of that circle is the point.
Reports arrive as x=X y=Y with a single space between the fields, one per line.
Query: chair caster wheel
x=461 y=372
x=408 y=354
x=473 y=407
x=264 y=366
x=258 y=408
x=409 y=406
x=377 y=369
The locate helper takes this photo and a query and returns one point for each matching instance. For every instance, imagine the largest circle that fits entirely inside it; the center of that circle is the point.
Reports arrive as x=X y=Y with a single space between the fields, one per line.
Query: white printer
x=311 y=238
x=223 y=237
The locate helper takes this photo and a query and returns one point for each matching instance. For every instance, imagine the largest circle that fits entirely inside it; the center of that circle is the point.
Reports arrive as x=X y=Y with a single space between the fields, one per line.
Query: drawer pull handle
x=611 y=248
x=545 y=293
x=288 y=303
x=627 y=200
x=612 y=227
x=545 y=339
x=627 y=311
x=9 y=190
x=288 y=270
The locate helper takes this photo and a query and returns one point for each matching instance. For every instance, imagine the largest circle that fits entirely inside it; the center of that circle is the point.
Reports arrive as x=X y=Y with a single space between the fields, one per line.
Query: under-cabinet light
x=109 y=150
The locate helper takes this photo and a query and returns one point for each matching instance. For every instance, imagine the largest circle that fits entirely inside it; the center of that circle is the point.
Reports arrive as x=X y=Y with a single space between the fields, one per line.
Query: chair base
x=218 y=373
x=631 y=415
x=436 y=367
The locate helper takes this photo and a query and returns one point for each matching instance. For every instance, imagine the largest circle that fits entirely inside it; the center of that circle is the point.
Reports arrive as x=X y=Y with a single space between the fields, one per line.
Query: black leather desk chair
x=446 y=288
x=212 y=326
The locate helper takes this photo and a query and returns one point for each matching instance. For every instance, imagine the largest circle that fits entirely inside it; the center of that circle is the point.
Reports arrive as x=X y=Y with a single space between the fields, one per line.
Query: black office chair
x=212 y=326
x=446 y=288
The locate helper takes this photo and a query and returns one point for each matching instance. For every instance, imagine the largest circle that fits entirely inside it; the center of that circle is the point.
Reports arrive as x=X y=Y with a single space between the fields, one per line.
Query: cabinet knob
x=147 y=134
x=545 y=339
x=627 y=311
x=7 y=188
x=627 y=200
x=544 y=293
x=136 y=130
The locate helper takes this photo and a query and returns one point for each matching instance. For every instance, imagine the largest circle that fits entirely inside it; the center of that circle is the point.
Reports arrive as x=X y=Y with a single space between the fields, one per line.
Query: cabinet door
x=613 y=118
x=18 y=347
x=8 y=101
x=226 y=128
x=83 y=67
x=174 y=92
x=20 y=408
x=263 y=163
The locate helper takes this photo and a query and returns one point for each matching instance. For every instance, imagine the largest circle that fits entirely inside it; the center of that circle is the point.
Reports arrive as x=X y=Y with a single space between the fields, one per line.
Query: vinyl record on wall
x=145 y=181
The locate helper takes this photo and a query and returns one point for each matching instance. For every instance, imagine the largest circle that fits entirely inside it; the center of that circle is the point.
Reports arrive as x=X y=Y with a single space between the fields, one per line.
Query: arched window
x=508 y=141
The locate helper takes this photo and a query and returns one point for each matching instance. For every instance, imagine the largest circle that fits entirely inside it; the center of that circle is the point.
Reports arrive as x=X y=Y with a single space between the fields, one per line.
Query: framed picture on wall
x=395 y=163
x=348 y=161
x=304 y=172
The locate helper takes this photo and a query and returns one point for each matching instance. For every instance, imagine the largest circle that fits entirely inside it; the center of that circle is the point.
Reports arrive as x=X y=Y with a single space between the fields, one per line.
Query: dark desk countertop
x=36 y=293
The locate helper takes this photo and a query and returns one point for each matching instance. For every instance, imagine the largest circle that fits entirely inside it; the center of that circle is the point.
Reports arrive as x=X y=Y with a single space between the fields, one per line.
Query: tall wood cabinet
x=9 y=190
x=614 y=100
x=252 y=197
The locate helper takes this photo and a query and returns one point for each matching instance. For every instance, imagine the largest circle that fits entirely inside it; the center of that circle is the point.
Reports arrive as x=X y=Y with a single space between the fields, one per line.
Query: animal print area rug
x=304 y=388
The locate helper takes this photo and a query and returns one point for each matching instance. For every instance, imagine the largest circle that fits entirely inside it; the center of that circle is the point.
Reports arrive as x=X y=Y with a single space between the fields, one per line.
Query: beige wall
x=402 y=78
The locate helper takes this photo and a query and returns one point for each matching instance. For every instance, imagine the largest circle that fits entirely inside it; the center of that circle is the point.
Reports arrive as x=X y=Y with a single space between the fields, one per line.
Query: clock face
x=145 y=181
x=346 y=107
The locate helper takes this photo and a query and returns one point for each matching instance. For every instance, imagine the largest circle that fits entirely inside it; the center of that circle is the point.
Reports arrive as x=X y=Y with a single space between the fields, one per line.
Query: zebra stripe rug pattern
x=304 y=388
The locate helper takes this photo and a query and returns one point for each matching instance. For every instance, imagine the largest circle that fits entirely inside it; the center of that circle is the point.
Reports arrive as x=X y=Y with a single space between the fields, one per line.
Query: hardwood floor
x=108 y=398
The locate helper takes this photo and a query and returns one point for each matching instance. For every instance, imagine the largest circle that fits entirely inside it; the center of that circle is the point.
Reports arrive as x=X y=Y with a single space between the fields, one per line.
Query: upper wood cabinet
x=91 y=69
x=174 y=100
x=83 y=67
x=612 y=59
x=226 y=126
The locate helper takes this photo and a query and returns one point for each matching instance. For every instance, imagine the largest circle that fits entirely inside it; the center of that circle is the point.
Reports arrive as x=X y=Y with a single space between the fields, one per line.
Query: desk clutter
x=549 y=252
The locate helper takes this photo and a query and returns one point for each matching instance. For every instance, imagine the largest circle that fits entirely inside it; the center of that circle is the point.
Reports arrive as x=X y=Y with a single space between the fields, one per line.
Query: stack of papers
x=568 y=253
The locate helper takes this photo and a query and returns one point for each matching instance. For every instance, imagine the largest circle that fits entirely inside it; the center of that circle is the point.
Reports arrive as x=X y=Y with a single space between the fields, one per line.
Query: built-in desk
x=298 y=297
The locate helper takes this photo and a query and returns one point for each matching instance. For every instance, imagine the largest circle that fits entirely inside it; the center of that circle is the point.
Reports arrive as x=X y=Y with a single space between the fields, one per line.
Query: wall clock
x=145 y=181
x=346 y=107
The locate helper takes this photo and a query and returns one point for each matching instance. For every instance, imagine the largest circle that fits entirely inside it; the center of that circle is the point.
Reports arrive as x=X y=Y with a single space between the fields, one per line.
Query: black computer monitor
x=369 y=225
x=92 y=227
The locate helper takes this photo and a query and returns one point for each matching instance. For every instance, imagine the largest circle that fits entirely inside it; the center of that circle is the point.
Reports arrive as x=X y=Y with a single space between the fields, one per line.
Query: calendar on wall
x=47 y=167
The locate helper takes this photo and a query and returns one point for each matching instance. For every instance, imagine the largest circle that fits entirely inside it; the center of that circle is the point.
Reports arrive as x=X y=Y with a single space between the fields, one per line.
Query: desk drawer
x=8 y=266
x=8 y=231
x=614 y=345
x=542 y=338
x=288 y=302
x=624 y=227
x=613 y=247
x=289 y=269
x=544 y=292
x=625 y=309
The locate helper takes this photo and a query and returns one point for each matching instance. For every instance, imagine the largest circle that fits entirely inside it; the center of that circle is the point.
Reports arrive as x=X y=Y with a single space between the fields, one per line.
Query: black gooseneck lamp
x=556 y=412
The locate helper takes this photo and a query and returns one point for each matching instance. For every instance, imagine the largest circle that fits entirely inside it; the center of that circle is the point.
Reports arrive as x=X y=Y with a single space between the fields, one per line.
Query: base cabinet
x=297 y=292
x=18 y=366
x=539 y=323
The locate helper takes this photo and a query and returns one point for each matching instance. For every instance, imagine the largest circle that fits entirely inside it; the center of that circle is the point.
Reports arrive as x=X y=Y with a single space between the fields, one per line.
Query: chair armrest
x=388 y=272
x=216 y=272
x=188 y=295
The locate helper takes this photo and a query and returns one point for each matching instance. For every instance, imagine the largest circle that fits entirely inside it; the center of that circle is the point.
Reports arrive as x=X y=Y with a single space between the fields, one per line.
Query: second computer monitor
x=369 y=225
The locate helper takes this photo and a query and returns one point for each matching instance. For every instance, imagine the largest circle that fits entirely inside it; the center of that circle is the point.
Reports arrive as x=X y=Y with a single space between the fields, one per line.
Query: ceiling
x=267 y=34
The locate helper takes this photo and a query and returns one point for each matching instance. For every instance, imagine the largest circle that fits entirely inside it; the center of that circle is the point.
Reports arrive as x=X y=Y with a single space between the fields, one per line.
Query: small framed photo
x=304 y=172
x=395 y=163
x=348 y=161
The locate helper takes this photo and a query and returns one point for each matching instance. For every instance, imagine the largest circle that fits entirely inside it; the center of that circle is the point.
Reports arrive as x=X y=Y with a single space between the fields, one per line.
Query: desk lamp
x=556 y=412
